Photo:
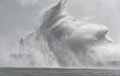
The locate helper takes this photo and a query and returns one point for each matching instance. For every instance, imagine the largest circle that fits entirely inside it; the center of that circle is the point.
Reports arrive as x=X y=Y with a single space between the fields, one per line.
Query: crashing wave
x=64 y=41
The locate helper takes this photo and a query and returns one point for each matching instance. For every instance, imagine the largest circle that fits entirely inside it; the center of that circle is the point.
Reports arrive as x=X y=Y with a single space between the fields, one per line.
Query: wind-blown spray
x=64 y=41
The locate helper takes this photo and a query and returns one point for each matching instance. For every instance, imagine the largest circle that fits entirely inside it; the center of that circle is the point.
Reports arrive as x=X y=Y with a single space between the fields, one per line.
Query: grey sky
x=19 y=16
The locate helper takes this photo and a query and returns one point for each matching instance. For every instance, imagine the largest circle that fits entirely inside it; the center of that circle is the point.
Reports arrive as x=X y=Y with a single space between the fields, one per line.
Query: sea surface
x=58 y=72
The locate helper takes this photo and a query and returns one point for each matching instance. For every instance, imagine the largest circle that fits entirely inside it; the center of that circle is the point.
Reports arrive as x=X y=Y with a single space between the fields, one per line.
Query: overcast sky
x=17 y=17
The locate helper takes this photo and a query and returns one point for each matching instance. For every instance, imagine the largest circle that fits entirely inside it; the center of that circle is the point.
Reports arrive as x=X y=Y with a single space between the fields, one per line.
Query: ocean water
x=63 y=45
x=57 y=72
x=62 y=41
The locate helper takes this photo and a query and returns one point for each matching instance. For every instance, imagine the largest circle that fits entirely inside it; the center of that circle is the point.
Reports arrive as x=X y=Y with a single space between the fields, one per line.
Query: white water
x=61 y=40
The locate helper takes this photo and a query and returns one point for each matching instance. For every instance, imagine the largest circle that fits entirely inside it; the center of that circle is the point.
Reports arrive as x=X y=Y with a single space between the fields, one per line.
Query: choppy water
x=57 y=72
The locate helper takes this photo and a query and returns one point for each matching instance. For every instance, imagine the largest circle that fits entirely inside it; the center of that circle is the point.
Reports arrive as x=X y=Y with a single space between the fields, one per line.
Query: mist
x=18 y=18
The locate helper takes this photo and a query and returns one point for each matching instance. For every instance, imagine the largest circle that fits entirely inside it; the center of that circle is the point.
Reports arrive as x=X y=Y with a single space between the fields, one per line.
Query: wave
x=65 y=41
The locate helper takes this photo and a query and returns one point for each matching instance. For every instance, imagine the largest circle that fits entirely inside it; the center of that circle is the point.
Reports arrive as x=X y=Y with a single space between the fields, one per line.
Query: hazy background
x=17 y=17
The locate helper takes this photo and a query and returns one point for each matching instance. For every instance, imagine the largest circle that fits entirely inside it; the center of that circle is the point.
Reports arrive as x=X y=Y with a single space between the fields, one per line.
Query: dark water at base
x=57 y=72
